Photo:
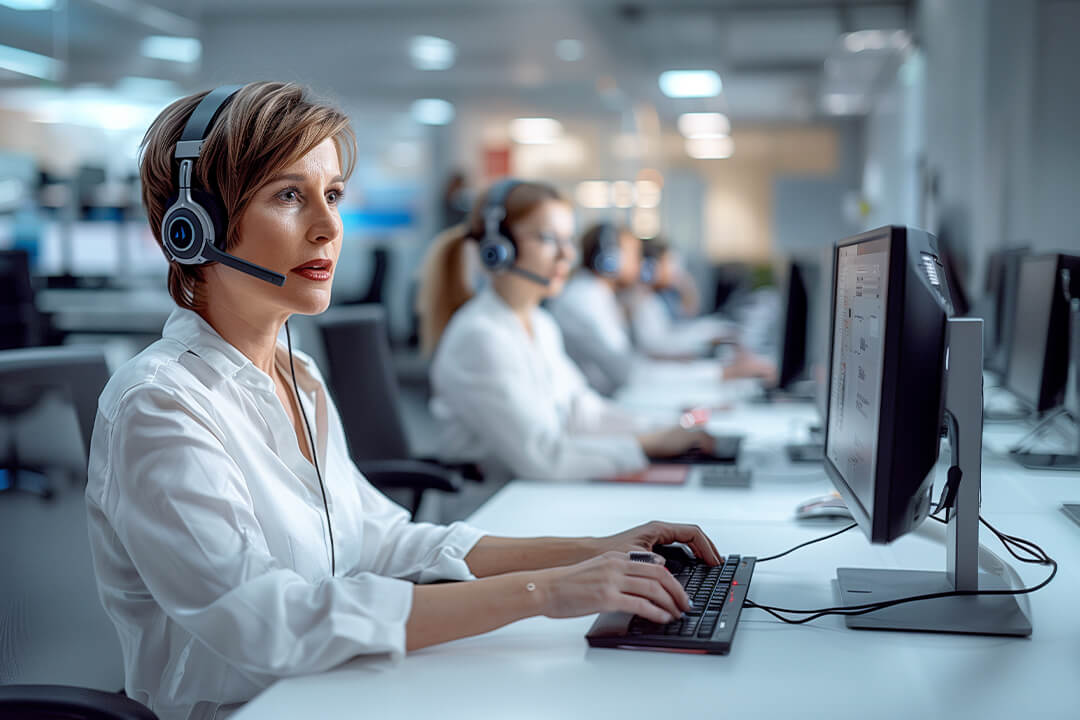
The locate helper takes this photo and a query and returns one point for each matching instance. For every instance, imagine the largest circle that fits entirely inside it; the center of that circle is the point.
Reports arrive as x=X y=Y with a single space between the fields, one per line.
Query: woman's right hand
x=612 y=582
x=674 y=440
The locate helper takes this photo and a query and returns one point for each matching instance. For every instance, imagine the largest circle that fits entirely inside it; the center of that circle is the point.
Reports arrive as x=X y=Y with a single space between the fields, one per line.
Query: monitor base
x=810 y=452
x=1047 y=461
x=970 y=614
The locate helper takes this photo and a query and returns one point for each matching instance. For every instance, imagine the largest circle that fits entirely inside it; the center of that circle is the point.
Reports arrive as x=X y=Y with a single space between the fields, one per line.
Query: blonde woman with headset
x=233 y=540
x=504 y=389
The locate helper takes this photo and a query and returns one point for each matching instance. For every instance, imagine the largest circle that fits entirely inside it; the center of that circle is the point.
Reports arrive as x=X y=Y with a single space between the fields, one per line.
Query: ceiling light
x=29 y=4
x=866 y=40
x=704 y=125
x=648 y=193
x=432 y=111
x=593 y=194
x=622 y=194
x=28 y=63
x=569 y=50
x=431 y=53
x=716 y=148
x=842 y=103
x=168 y=47
x=690 y=83
x=535 y=131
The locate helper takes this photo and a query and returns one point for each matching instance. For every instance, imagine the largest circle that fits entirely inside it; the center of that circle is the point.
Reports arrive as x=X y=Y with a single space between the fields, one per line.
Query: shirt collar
x=193 y=332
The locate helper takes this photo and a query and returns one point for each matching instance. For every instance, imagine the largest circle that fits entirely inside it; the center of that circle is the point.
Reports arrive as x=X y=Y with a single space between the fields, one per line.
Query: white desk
x=542 y=668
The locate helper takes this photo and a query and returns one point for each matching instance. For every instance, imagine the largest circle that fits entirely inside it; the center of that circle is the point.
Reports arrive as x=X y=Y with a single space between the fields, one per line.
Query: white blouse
x=595 y=330
x=209 y=537
x=518 y=405
x=657 y=334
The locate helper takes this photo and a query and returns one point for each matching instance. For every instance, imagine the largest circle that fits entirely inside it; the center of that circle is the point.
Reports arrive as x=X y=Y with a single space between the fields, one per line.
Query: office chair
x=380 y=259
x=21 y=325
x=360 y=374
x=27 y=374
x=61 y=702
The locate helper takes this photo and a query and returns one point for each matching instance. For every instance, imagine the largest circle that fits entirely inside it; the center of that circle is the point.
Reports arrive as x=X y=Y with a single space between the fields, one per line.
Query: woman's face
x=545 y=247
x=629 y=259
x=292 y=226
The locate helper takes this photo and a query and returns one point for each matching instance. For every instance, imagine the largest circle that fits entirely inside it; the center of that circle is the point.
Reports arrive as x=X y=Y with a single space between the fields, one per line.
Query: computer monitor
x=793 y=330
x=1002 y=275
x=901 y=369
x=1038 y=354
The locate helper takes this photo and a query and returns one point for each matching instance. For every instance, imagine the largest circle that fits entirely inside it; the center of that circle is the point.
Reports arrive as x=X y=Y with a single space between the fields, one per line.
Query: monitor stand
x=971 y=614
x=1071 y=409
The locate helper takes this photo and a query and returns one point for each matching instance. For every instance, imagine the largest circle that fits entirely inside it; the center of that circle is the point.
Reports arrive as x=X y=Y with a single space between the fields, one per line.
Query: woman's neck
x=256 y=339
x=521 y=299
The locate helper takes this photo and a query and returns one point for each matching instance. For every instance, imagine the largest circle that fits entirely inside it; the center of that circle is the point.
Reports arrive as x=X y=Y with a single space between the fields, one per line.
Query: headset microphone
x=539 y=279
x=193 y=229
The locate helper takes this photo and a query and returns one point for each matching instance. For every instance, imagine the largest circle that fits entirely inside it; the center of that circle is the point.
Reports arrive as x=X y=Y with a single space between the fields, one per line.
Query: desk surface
x=543 y=668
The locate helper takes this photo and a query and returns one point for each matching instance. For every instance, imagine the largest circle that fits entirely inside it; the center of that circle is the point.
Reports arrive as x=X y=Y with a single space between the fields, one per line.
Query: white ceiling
x=771 y=54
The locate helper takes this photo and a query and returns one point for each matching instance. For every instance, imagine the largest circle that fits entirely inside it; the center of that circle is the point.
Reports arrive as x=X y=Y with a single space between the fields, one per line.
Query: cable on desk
x=1035 y=555
x=808 y=542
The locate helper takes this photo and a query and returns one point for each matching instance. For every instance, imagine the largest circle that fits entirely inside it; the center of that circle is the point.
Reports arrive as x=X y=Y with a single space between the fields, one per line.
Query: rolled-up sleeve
x=179 y=505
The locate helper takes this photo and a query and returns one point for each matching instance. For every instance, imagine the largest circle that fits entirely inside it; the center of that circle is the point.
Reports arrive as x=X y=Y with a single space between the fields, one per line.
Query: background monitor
x=1002 y=276
x=1038 y=353
x=793 y=337
x=885 y=400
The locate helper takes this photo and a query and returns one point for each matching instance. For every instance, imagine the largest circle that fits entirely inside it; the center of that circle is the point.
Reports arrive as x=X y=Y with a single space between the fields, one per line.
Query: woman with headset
x=233 y=540
x=506 y=392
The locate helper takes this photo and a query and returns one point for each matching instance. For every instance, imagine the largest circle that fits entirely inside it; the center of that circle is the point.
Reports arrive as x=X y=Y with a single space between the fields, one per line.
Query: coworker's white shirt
x=518 y=405
x=595 y=330
x=657 y=334
x=209 y=537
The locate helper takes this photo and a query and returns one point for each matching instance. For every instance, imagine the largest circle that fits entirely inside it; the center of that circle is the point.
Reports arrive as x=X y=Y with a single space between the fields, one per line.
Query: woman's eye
x=334 y=196
x=289 y=195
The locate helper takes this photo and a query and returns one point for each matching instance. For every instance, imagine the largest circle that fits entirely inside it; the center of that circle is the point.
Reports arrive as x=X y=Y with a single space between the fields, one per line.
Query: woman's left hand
x=643 y=537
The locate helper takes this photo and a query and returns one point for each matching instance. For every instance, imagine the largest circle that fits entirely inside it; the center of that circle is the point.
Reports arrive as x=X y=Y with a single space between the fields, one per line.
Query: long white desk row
x=543 y=668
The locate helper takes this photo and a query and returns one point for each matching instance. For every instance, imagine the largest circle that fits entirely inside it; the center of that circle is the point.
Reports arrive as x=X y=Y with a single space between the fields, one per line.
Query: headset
x=195 y=225
x=193 y=230
x=498 y=250
x=604 y=258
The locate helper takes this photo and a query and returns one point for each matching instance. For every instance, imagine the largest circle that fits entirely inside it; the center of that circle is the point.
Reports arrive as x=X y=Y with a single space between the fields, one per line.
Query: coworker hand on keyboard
x=674 y=440
x=612 y=582
x=749 y=365
x=645 y=537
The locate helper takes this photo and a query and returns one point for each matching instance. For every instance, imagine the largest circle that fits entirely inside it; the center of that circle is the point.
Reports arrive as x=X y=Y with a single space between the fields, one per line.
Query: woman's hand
x=643 y=537
x=611 y=582
x=674 y=440
x=749 y=365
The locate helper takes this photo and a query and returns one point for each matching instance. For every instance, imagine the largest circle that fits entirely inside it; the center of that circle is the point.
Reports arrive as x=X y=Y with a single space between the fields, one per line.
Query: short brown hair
x=266 y=127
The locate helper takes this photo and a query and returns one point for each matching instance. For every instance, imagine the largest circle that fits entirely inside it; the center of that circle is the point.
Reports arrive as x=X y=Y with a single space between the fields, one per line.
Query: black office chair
x=21 y=325
x=360 y=374
x=61 y=702
x=380 y=259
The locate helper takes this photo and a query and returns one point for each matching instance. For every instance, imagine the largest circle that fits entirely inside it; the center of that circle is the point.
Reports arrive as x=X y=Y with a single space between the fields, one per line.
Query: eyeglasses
x=552 y=240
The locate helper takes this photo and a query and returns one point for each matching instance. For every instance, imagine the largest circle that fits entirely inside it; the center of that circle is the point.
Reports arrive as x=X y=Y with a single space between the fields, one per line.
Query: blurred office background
x=793 y=123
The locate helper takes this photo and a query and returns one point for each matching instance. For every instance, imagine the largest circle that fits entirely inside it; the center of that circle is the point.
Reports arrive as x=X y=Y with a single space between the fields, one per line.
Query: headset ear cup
x=217 y=214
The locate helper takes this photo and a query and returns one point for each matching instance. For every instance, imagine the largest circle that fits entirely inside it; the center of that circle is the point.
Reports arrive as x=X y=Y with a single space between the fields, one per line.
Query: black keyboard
x=725 y=450
x=709 y=627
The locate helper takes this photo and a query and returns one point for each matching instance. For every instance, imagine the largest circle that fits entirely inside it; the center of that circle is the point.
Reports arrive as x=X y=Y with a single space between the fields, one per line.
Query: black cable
x=808 y=542
x=1042 y=558
x=314 y=452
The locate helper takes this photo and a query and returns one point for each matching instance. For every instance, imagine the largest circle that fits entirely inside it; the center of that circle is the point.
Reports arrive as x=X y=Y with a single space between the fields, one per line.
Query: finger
x=640 y=606
x=698 y=541
x=667 y=582
x=653 y=592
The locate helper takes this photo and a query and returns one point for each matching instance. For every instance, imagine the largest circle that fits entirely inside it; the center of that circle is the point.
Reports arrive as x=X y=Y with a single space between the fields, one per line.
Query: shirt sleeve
x=487 y=391
x=180 y=507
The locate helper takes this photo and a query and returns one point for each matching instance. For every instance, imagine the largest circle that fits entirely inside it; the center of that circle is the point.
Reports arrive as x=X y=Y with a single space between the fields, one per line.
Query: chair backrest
x=20 y=324
x=62 y=702
x=360 y=373
x=380 y=259
x=80 y=371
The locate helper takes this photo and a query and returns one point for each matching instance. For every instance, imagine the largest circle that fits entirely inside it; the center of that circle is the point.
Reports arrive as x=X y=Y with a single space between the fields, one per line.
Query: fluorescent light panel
x=172 y=48
x=432 y=53
x=690 y=83
x=29 y=4
x=535 y=131
x=693 y=125
x=25 y=62
x=717 y=148
x=432 y=111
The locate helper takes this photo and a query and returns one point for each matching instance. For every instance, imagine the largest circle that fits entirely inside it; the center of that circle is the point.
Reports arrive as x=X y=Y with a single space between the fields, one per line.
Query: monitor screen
x=854 y=412
x=1034 y=300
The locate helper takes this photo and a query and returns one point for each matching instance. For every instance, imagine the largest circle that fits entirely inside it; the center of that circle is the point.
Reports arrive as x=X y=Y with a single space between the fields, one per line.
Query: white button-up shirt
x=210 y=540
x=518 y=404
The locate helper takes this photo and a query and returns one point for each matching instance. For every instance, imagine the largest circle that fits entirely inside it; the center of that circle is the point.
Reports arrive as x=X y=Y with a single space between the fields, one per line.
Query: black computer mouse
x=676 y=557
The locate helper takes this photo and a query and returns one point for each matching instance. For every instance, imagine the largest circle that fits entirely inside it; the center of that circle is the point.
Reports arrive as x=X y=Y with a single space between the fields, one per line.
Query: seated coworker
x=506 y=392
x=657 y=332
x=593 y=323
x=234 y=543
